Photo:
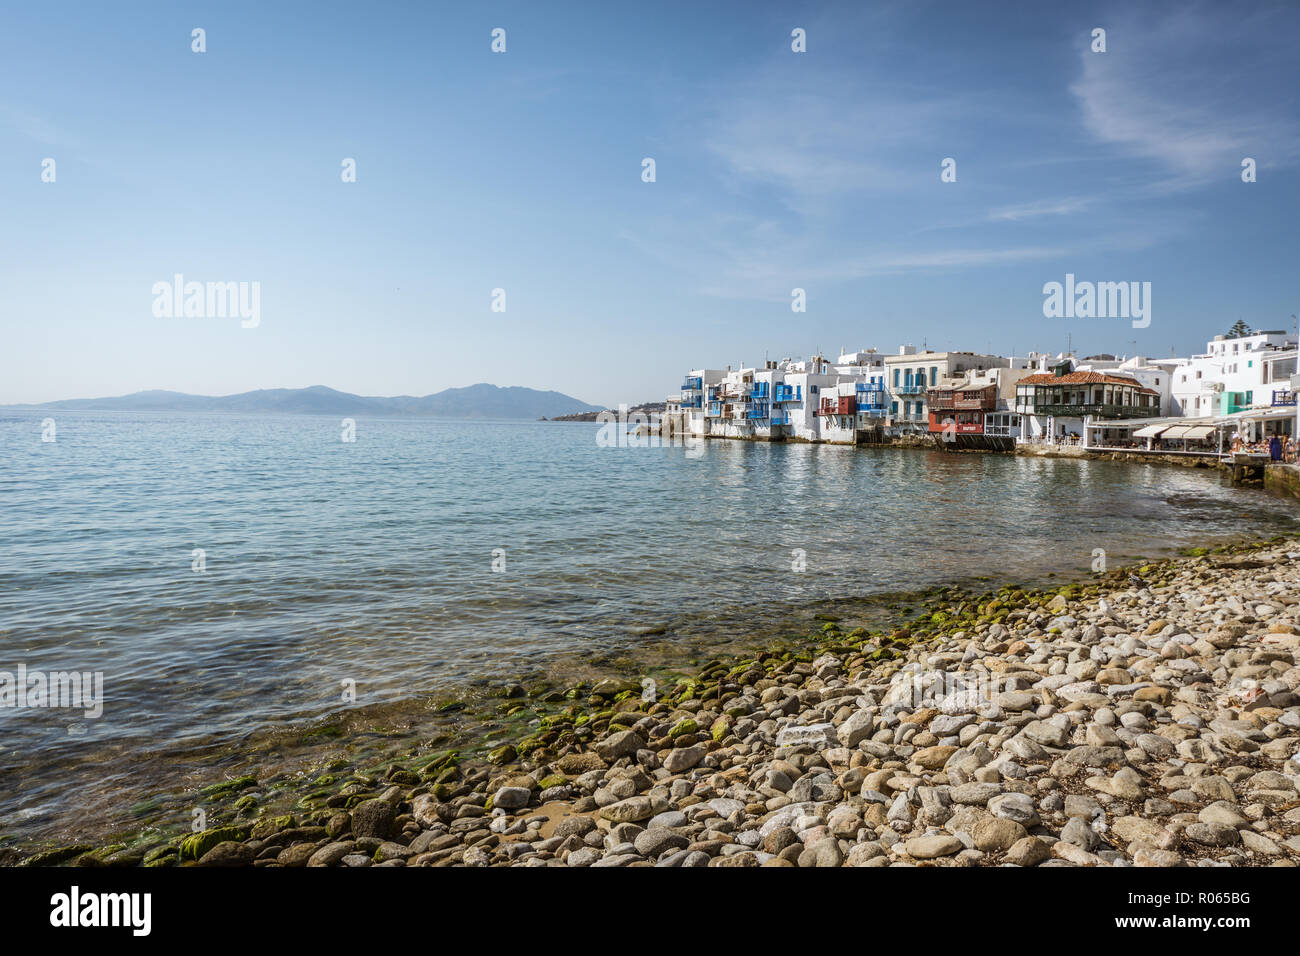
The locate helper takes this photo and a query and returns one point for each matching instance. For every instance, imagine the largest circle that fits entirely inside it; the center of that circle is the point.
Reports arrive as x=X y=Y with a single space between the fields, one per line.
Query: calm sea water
x=373 y=561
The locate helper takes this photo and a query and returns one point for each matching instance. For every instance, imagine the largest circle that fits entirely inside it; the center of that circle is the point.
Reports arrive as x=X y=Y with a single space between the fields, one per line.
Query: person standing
x=1275 y=448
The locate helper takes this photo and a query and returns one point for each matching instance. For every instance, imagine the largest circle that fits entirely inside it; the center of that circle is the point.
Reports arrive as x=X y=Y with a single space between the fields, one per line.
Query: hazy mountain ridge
x=472 y=401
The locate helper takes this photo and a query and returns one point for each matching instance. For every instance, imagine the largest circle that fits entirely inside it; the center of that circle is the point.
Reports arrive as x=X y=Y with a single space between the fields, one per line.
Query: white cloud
x=1038 y=208
x=33 y=127
x=1195 y=90
x=813 y=144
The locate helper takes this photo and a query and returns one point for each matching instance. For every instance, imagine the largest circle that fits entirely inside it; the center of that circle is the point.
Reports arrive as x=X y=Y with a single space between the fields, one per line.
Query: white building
x=910 y=374
x=1054 y=405
x=688 y=406
x=783 y=400
x=1003 y=421
x=1157 y=376
x=1234 y=374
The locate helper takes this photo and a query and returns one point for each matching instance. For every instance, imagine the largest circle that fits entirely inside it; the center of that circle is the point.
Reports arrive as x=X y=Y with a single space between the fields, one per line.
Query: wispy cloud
x=1190 y=90
x=1039 y=208
x=31 y=126
x=758 y=261
x=811 y=144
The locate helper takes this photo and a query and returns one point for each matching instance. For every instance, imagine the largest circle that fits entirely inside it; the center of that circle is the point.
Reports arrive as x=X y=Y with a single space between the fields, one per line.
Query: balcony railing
x=692 y=384
x=788 y=393
x=870 y=396
x=841 y=405
x=909 y=389
x=759 y=412
x=1095 y=410
x=980 y=403
x=780 y=418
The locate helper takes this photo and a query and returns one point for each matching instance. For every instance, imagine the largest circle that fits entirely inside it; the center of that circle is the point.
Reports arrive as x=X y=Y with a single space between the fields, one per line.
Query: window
x=934 y=373
x=896 y=386
x=893 y=406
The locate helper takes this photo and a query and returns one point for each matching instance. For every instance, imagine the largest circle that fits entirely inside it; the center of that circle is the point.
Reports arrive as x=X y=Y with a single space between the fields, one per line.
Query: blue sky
x=522 y=171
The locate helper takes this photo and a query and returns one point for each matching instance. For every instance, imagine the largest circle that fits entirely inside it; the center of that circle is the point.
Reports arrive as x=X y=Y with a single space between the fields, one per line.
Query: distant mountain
x=473 y=401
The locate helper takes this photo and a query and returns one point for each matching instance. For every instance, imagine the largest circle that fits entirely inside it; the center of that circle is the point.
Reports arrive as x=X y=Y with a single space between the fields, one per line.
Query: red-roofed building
x=1054 y=404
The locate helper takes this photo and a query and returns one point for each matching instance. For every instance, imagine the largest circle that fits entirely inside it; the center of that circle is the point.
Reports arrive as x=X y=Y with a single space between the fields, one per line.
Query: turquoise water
x=372 y=561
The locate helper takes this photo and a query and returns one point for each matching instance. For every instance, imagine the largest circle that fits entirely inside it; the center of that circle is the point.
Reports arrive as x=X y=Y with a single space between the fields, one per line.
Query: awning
x=1149 y=431
x=1178 y=431
x=1199 y=432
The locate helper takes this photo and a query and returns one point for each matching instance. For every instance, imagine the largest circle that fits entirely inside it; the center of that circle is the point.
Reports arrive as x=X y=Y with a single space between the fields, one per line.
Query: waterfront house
x=784 y=399
x=692 y=403
x=910 y=374
x=838 y=411
x=1156 y=374
x=958 y=407
x=1053 y=405
x=1235 y=374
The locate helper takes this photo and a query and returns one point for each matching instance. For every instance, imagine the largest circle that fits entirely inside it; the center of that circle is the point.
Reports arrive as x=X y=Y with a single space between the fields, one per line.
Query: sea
x=234 y=582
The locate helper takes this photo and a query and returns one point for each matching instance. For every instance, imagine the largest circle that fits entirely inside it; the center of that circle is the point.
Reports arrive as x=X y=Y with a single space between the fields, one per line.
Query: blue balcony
x=911 y=388
x=870 y=396
x=715 y=410
x=696 y=402
x=788 y=393
x=780 y=418
x=760 y=391
x=693 y=384
x=759 y=412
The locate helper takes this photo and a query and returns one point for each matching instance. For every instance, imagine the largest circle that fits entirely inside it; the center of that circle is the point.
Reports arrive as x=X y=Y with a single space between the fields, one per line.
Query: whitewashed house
x=1234 y=374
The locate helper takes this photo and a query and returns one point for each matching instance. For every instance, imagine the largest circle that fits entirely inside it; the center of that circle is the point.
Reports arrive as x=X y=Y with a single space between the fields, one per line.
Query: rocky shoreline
x=1148 y=717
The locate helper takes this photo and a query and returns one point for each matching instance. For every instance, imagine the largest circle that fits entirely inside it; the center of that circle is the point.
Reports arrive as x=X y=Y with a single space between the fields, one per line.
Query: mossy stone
x=194 y=846
x=228 y=786
x=684 y=726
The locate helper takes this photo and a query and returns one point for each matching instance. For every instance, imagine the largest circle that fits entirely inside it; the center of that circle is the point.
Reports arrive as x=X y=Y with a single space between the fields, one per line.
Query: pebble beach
x=1147 y=717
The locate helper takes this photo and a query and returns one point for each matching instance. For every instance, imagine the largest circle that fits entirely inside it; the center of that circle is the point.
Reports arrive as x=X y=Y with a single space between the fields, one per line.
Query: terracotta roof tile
x=1084 y=378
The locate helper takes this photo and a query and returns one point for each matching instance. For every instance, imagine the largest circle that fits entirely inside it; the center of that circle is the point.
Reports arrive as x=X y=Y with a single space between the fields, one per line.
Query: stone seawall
x=1138 y=457
x=1283 y=478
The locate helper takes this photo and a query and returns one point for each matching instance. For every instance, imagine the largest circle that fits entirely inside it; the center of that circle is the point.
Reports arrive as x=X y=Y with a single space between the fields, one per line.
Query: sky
x=523 y=170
